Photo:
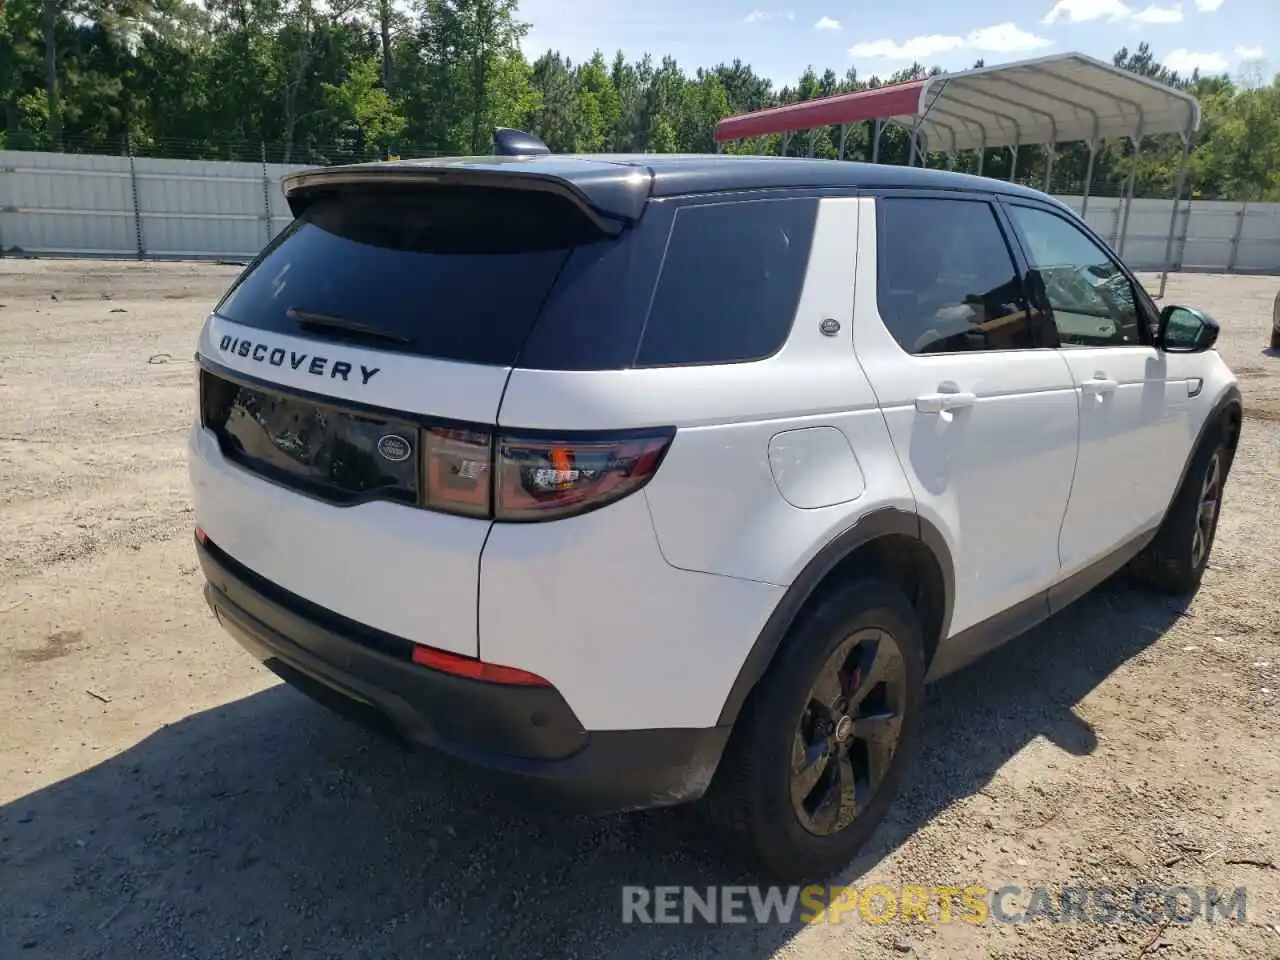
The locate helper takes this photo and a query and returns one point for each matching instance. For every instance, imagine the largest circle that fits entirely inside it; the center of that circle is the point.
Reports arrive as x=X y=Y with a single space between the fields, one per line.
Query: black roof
x=619 y=184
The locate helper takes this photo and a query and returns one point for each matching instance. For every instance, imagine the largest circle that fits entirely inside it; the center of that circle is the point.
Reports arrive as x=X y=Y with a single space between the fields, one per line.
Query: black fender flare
x=871 y=526
x=1213 y=421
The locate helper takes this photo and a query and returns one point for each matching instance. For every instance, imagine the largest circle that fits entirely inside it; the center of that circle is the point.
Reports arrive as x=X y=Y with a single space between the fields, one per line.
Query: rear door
x=350 y=381
x=1133 y=413
x=980 y=406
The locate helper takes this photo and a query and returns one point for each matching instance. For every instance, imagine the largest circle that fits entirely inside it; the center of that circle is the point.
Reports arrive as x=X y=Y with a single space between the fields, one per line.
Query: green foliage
x=325 y=81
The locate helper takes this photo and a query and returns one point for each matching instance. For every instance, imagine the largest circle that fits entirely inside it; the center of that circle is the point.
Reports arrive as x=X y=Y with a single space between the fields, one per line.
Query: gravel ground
x=161 y=796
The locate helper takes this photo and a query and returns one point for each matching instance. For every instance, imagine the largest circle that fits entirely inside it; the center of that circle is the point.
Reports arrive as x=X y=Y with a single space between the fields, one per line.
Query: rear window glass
x=730 y=282
x=455 y=273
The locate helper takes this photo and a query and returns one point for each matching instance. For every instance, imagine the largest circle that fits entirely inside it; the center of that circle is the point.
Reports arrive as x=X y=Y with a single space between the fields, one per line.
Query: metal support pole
x=982 y=155
x=1128 y=192
x=844 y=137
x=3 y=171
x=813 y=140
x=266 y=197
x=919 y=146
x=137 y=202
x=911 y=148
x=1180 y=257
x=1088 y=177
x=786 y=143
x=875 y=144
x=1048 y=172
x=1013 y=166
x=1173 y=217
x=1235 y=239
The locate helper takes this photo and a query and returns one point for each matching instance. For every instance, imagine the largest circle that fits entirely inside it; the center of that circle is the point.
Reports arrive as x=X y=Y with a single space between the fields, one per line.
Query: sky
x=779 y=38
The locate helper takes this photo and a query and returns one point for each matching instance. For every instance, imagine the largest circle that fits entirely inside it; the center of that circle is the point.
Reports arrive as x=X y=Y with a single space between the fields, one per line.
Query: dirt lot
x=161 y=796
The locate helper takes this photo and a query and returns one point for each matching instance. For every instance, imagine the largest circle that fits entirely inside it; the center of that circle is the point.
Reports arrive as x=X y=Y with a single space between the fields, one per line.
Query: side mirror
x=1186 y=330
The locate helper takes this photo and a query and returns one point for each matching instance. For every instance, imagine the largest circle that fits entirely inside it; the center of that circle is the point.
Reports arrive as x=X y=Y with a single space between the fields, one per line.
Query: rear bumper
x=526 y=732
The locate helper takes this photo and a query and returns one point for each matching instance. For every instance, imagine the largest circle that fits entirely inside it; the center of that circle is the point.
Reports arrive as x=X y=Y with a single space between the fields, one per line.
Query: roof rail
x=508 y=142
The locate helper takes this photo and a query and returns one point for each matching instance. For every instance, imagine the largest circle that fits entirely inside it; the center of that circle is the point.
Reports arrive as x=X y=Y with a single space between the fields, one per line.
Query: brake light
x=474 y=669
x=540 y=479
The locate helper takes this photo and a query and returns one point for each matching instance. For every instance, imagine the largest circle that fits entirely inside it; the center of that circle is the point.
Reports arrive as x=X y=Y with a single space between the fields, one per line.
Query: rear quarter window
x=730 y=282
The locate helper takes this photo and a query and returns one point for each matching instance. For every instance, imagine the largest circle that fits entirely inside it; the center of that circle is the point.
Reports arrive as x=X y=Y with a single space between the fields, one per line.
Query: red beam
x=895 y=100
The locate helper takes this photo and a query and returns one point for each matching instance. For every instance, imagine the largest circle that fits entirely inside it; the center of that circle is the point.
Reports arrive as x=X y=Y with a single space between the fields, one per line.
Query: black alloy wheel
x=848 y=731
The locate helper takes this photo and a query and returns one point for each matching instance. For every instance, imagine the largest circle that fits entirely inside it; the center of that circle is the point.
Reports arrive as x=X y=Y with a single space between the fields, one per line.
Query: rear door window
x=730 y=282
x=947 y=279
x=456 y=273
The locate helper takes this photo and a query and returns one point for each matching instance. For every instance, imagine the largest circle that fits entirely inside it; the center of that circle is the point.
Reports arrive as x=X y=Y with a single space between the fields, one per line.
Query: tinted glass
x=452 y=273
x=730 y=282
x=947 y=281
x=1091 y=300
x=594 y=315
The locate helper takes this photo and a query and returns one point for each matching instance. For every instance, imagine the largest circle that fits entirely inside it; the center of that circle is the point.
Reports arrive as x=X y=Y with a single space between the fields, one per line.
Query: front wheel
x=821 y=746
x=1175 y=561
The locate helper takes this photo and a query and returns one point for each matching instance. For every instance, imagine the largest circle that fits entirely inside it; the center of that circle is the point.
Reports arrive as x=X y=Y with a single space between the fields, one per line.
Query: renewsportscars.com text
x=973 y=904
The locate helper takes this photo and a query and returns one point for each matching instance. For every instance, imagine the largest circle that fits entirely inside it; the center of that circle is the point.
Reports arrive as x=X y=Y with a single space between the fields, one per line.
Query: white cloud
x=1084 y=11
x=1154 y=14
x=917 y=48
x=826 y=23
x=1187 y=61
x=1208 y=6
x=759 y=16
x=1005 y=38
x=1001 y=38
x=1249 y=53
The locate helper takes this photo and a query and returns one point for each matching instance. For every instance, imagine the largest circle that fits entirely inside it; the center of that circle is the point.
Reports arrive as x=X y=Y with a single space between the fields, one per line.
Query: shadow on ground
x=269 y=828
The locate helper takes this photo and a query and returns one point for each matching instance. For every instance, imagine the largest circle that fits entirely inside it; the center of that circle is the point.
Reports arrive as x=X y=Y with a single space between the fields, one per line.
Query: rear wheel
x=1175 y=561
x=821 y=746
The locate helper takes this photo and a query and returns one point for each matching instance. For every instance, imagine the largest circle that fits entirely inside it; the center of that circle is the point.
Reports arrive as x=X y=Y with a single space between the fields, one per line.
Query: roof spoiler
x=508 y=142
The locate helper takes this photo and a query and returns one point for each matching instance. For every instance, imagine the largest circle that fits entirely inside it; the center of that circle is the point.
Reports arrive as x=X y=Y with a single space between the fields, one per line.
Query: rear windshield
x=456 y=273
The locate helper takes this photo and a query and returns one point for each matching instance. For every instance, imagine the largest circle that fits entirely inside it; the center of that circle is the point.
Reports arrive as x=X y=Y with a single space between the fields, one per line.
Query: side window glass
x=730 y=282
x=1092 y=301
x=946 y=279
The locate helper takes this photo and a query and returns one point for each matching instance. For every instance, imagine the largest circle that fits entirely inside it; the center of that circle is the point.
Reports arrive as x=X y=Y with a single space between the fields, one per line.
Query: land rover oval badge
x=394 y=448
x=829 y=327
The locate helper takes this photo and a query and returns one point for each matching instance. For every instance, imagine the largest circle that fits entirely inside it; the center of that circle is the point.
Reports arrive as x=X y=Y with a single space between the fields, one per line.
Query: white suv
x=646 y=478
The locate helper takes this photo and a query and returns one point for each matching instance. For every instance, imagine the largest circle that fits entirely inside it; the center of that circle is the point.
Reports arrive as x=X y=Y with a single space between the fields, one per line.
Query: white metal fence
x=105 y=206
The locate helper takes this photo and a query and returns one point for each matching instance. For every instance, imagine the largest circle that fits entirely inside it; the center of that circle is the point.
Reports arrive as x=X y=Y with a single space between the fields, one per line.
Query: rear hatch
x=357 y=366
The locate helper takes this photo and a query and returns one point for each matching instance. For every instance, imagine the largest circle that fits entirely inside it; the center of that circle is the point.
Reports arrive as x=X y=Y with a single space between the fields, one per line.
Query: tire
x=1175 y=561
x=1275 y=339
x=868 y=623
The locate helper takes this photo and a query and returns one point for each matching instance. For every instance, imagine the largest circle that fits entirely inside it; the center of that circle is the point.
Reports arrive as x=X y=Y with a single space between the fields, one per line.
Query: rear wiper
x=320 y=321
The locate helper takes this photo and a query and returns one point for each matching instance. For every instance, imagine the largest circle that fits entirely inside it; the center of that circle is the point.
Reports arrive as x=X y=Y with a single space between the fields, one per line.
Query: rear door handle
x=938 y=402
x=1099 y=386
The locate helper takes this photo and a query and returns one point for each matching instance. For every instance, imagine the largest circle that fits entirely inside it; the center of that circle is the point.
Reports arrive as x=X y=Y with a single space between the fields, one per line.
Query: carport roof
x=1047 y=100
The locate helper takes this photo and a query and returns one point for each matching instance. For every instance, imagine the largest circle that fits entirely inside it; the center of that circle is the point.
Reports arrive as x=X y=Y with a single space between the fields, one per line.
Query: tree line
x=300 y=81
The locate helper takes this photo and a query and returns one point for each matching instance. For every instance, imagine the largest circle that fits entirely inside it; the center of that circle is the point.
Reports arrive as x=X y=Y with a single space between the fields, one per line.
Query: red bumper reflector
x=201 y=535
x=475 y=669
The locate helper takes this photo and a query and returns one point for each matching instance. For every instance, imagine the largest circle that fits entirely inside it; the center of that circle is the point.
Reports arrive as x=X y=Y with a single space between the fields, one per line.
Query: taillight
x=546 y=479
x=457 y=470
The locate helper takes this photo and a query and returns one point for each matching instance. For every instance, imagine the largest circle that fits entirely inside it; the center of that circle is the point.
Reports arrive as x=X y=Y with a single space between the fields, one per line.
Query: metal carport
x=1045 y=101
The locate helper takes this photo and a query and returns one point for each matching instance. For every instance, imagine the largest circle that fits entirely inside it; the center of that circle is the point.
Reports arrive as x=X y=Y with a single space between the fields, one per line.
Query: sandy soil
x=161 y=796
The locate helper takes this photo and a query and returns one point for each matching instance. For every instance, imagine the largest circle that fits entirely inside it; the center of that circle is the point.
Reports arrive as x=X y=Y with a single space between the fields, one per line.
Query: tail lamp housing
x=524 y=477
